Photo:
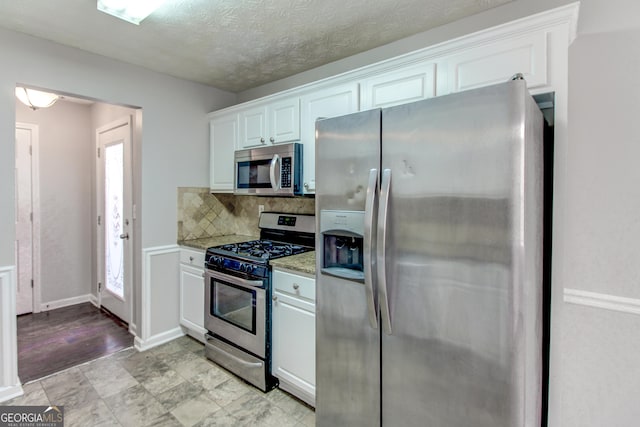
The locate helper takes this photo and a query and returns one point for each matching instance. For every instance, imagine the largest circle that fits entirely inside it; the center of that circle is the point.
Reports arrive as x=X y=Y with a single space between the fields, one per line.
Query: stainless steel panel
x=244 y=365
x=347 y=347
x=463 y=260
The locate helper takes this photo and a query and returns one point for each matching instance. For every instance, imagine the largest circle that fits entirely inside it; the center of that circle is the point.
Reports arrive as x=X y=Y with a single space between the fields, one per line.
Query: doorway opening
x=58 y=222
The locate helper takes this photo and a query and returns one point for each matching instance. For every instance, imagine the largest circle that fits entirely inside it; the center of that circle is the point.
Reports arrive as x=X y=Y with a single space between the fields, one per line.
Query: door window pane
x=114 y=248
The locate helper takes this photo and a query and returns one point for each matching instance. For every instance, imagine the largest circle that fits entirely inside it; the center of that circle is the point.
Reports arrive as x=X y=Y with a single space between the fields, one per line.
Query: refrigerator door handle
x=272 y=172
x=372 y=192
x=385 y=314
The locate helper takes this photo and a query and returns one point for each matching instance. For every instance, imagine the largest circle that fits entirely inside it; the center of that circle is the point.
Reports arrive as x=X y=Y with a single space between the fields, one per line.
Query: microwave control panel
x=285 y=173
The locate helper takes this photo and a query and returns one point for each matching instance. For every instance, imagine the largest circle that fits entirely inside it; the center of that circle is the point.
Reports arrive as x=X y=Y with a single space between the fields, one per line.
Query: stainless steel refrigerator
x=429 y=263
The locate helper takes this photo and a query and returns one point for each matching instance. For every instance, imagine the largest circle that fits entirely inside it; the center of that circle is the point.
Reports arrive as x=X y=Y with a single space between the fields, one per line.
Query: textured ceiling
x=235 y=44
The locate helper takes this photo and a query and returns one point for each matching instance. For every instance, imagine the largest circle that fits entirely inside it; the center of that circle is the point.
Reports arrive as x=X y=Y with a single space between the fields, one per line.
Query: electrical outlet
x=260 y=210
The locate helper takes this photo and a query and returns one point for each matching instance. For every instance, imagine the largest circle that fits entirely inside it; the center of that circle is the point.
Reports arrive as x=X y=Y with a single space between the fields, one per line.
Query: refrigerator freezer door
x=463 y=260
x=347 y=346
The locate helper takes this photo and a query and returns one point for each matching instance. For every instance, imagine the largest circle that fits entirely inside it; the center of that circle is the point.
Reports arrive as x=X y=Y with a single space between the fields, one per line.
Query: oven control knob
x=216 y=260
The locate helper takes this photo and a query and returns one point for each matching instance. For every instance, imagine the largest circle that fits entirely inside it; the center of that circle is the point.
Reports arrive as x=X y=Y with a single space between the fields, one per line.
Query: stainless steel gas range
x=238 y=295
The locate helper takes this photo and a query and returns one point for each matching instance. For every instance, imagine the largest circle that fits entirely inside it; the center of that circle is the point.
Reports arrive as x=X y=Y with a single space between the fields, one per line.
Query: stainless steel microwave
x=274 y=170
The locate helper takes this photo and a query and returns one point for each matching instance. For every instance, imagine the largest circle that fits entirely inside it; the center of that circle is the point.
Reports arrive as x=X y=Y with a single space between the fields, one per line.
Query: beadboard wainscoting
x=159 y=314
x=10 y=385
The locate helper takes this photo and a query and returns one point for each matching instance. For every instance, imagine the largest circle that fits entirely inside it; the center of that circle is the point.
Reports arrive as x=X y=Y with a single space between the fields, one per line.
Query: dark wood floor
x=54 y=340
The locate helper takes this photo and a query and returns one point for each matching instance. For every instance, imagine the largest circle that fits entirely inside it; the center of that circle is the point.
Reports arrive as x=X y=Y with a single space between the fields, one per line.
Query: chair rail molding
x=604 y=301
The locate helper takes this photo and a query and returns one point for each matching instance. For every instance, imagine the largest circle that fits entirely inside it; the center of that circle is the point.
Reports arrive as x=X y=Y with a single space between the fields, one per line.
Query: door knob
x=124 y=236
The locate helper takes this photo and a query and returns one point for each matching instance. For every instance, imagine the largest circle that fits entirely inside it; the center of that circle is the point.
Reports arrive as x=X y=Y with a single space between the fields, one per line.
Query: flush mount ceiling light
x=35 y=99
x=132 y=11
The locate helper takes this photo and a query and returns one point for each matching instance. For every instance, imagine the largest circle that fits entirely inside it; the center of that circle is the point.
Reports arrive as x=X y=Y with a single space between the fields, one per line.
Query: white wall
x=175 y=133
x=66 y=198
x=600 y=363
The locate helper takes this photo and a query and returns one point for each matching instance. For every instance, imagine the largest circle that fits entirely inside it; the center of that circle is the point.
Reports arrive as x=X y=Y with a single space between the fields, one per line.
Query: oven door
x=236 y=310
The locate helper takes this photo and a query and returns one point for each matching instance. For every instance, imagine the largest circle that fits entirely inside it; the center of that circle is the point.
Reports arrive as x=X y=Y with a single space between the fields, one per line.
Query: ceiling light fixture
x=35 y=99
x=132 y=11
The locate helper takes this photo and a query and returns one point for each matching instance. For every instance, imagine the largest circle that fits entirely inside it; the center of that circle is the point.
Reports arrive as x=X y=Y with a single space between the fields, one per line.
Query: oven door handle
x=236 y=280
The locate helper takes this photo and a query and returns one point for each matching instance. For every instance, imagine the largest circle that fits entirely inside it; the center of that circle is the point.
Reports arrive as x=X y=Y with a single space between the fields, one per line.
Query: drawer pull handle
x=191 y=259
x=296 y=286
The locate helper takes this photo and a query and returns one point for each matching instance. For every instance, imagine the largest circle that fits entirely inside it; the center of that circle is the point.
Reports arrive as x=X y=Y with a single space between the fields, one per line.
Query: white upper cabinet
x=284 y=121
x=253 y=127
x=223 y=142
x=273 y=123
x=399 y=86
x=323 y=103
x=498 y=61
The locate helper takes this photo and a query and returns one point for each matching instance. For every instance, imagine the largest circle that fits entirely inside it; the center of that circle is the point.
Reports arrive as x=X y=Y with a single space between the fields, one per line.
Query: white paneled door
x=26 y=137
x=114 y=217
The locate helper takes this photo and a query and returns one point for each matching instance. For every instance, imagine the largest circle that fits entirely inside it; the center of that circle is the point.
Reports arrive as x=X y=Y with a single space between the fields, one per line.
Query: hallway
x=55 y=340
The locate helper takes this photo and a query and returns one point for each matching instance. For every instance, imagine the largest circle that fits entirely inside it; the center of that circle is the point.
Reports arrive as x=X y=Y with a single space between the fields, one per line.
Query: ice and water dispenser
x=343 y=237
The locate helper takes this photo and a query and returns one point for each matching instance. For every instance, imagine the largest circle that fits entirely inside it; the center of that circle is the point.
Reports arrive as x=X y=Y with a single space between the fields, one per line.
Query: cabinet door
x=223 y=142
x=192 y=300
x=253 y=127
x=284 y=121
x=399 y=86
x=498 y=61
x=294 y=343
x=325 y=103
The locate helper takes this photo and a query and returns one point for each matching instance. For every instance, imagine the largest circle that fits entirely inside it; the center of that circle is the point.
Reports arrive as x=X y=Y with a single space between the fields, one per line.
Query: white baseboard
x=133 y=329
x=158 y=339
x=8 y=393
x=605 y=301
x=52 y=305
x=93 y=299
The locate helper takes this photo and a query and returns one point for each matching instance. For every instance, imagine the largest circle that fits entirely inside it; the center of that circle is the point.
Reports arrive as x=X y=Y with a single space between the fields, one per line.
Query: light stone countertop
x=303 y=263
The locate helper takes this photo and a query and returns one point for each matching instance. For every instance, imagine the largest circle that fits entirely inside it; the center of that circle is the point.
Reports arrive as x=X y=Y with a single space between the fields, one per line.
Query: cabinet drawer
x=192 y=257
x=294 y=284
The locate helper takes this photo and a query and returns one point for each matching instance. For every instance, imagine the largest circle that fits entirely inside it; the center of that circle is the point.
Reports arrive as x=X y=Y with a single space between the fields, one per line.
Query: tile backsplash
x=202 y=214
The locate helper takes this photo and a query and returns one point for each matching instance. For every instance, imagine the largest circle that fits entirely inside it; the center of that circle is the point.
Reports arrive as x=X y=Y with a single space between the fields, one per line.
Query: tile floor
x=170 y=385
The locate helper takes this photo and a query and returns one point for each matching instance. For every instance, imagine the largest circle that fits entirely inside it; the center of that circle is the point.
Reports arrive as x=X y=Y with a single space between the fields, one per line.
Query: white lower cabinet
x=192 y=293
x=294 y=334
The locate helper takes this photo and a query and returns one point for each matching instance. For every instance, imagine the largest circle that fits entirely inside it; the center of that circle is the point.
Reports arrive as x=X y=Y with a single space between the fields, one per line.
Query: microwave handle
x=275 y=184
